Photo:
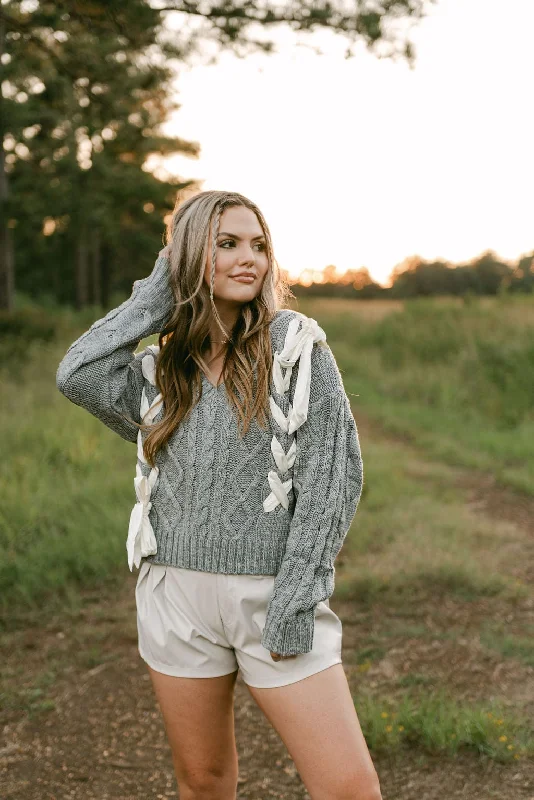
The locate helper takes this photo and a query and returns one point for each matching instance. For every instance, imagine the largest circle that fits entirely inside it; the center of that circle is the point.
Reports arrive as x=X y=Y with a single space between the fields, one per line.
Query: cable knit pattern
x=274 y=502
x=205 y=478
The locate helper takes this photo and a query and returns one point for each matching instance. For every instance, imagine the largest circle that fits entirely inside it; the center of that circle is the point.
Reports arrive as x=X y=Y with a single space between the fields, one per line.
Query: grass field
x=457 y=378
x=434 y=582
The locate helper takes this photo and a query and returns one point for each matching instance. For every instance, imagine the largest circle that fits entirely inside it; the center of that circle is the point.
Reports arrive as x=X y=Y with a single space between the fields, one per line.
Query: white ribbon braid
x=297 y=344
x=141 y=541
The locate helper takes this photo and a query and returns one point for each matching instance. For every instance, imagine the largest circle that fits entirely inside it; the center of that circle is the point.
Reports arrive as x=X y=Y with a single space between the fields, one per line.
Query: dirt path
x=105 y=738
x=82 y=722
x=486 y=494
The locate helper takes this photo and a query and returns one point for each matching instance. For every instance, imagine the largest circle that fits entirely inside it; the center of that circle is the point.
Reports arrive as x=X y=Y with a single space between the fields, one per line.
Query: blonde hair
x=247 y=368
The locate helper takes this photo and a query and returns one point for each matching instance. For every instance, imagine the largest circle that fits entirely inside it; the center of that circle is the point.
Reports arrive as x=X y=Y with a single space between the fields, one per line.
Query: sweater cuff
x=292 y=636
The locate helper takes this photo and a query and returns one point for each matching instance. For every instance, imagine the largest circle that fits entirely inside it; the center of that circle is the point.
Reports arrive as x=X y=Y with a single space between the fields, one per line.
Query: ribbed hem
x=254 y=555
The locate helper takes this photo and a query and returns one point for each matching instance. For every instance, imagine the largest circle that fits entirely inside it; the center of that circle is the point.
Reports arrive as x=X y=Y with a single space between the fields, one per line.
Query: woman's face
x=241 y=248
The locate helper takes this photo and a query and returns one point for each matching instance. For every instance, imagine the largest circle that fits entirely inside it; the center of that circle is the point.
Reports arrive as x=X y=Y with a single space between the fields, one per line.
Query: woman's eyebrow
x=235 y=236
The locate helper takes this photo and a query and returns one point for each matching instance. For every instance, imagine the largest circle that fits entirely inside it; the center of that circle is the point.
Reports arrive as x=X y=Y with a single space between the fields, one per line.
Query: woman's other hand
x=278 y=657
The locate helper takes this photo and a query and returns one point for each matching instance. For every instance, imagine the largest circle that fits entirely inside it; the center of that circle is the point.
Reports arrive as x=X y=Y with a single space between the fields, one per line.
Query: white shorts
x=196 y=624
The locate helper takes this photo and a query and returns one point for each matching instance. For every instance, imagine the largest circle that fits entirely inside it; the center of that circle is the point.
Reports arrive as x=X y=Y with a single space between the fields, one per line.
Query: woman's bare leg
x=316 y=719
x=198 y=714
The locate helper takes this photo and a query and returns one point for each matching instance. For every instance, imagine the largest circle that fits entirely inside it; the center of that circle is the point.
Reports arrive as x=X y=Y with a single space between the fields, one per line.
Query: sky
x=365 y=162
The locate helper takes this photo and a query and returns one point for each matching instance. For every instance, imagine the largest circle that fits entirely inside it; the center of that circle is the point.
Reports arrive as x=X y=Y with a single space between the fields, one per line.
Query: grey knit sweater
x=276 y=502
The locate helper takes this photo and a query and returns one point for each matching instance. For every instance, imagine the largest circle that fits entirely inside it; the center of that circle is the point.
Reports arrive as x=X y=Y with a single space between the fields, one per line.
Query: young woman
x=248 y=476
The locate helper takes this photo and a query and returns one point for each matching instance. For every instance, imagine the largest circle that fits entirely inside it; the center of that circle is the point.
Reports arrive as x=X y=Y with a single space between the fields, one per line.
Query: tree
x=84 y=106
x=523 y=275
x=485 y=274
x=490 y=273
x=381 y=26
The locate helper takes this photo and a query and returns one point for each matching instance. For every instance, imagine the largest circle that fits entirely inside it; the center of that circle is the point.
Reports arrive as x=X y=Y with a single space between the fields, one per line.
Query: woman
x=248 y=476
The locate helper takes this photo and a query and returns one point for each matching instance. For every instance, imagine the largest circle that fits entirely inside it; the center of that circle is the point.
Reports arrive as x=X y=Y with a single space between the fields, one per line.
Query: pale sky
x=365 y=162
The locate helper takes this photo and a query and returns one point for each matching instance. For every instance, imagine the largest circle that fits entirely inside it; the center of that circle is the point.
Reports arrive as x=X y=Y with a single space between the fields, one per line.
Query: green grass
x=67 y=490
x=32 y=700
x=509 y=645
x=457 y=378
x=436 y=723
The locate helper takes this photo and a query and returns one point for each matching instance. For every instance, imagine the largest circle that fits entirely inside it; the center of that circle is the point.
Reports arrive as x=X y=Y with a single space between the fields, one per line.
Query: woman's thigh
x=317 y=721
x=198 y=714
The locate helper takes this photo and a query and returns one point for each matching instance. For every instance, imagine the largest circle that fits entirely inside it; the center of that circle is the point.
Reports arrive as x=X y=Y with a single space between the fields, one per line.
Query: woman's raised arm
x=100 y=371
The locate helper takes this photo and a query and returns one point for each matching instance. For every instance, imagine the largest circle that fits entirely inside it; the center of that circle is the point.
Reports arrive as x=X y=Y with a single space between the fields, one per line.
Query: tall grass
x=458 y=377
x=66 y=485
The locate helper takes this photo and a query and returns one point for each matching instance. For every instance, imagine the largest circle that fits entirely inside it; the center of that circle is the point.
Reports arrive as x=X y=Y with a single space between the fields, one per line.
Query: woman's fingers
x=278 y=657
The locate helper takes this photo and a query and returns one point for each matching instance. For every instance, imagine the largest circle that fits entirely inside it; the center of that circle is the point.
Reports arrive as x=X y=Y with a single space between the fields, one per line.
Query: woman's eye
x=230 y=241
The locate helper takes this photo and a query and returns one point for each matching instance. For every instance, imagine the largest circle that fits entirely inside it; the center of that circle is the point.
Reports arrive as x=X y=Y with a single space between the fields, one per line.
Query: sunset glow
x=366 y=162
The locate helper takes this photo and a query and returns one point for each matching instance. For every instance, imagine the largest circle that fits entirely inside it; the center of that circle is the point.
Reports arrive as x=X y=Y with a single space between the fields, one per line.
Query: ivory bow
x=141 y=541
x=279 y=492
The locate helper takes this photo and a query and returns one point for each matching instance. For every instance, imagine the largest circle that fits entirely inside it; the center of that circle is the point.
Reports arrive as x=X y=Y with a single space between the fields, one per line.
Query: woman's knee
x=208 y=785
x=355 y=787
x=199 y=721
x=371 y=790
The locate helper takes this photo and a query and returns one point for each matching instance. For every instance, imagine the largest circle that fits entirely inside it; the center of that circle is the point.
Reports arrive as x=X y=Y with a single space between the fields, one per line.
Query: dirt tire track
x=487 y=496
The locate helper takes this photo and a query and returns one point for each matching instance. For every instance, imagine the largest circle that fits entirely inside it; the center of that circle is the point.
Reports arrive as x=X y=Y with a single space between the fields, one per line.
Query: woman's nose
x=247 y=256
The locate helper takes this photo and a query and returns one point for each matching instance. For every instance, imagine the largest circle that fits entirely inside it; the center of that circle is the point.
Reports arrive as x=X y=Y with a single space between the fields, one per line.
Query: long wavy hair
x=247 y=368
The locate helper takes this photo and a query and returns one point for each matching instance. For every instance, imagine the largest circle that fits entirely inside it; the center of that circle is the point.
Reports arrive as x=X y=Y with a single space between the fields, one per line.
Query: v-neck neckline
x=205 y=377
x=210 y=384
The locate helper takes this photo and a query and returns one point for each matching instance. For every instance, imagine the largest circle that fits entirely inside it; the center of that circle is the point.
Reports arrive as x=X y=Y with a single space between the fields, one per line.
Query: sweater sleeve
x=328 y=480
x=100 y=371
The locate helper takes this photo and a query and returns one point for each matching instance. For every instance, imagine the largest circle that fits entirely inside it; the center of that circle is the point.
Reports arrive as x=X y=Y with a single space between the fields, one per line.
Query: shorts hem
x=289 y=679
x=176 y=672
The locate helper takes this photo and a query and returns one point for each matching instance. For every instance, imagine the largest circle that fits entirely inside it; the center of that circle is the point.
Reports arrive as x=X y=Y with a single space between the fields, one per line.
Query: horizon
x=317 y=274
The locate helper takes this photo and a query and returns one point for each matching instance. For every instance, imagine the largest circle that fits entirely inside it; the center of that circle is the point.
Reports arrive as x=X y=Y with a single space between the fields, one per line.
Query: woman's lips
x=244 y=278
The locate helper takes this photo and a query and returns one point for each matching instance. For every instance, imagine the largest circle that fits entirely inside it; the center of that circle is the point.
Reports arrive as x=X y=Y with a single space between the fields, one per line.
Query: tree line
x=486 y=274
